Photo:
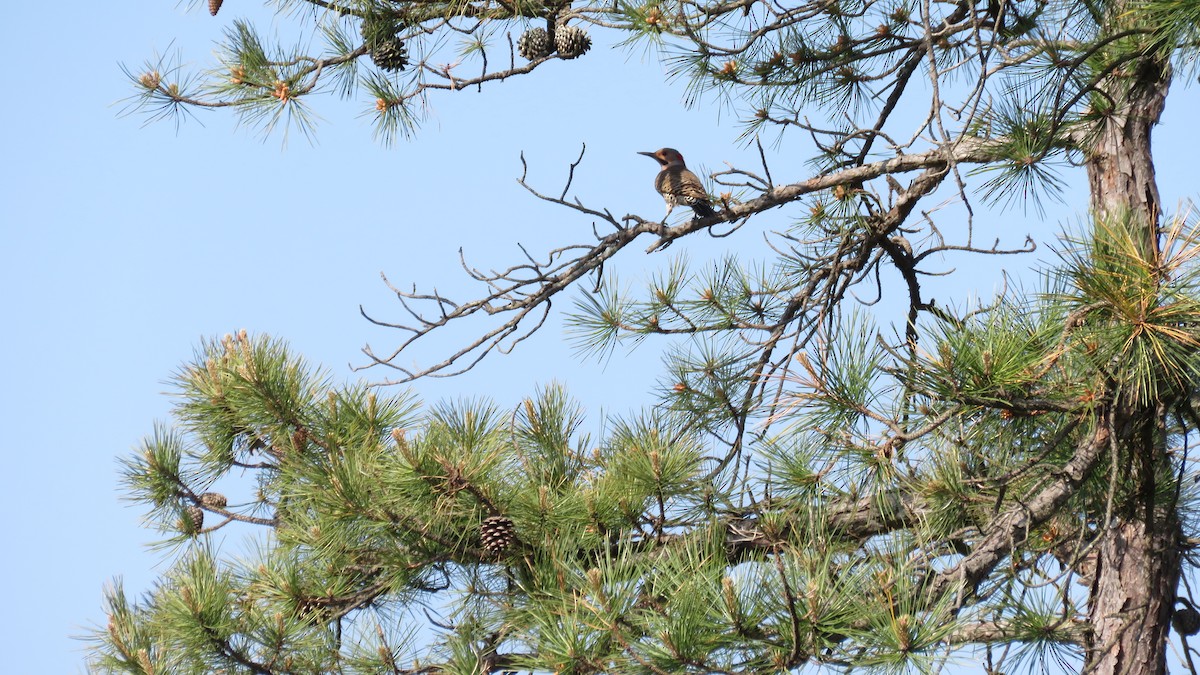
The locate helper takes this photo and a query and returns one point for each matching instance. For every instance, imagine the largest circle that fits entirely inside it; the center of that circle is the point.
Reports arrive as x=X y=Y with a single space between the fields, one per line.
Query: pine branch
x=1011 y=528
x=527 y=295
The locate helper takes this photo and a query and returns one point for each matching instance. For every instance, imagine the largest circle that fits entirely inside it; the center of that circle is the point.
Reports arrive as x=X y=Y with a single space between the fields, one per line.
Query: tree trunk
x=1138 y=560
x=1120 y=165
x=1133 y=595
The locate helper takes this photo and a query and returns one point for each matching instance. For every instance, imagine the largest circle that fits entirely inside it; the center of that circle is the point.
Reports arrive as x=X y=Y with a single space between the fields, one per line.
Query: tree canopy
x=1009 y=483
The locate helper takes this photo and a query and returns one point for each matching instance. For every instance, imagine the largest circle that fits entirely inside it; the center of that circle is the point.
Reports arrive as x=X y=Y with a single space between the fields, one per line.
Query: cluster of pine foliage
x=1009 y=484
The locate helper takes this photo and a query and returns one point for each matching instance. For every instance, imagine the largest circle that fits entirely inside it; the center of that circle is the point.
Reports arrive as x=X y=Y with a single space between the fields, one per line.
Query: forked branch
x=523 y=293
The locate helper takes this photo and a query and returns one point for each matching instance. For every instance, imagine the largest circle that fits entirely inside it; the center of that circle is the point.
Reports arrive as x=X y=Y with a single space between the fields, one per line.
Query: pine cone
x=191 y=520
x=214 y=500
x=571 y=42
x=214 y=6
x=534 y=44
x=1186 y=621
x=496 y=533
x=381 y=34
x=390 y=54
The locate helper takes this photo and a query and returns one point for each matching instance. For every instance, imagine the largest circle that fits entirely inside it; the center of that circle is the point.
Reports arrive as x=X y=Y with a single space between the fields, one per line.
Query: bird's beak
x=649 y=154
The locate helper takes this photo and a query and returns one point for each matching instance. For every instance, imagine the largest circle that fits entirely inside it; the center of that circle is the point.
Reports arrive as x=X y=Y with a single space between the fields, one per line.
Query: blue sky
x=123 y=245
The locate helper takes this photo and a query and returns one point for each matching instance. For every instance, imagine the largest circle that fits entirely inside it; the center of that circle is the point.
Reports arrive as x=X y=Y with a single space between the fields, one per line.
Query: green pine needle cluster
x=808 y=490
x=628 y=552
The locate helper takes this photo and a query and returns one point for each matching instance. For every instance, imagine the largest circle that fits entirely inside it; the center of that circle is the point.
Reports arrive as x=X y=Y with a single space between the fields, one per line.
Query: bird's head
x=666 y=157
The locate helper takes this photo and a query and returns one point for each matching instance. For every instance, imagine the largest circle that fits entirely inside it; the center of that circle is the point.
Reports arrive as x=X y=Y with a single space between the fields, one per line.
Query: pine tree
x=1010 y=482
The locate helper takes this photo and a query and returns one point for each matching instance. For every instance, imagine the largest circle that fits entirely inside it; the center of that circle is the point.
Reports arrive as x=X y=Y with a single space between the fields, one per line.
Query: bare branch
x=518 y=291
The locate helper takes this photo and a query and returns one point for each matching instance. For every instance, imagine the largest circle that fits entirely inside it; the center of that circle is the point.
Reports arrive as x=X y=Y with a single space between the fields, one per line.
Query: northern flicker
x=677 y=185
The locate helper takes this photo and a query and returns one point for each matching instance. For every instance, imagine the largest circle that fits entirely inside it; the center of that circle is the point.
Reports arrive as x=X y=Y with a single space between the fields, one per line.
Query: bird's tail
x=703 y=209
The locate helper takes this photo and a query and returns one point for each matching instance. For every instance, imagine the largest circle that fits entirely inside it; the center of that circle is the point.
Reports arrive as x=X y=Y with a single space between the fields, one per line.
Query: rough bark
x=1133 y=595
x=1120 y=165
x=1133 y=591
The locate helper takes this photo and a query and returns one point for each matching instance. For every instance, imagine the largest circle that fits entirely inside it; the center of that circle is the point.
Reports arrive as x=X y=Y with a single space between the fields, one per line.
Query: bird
x=677 y=185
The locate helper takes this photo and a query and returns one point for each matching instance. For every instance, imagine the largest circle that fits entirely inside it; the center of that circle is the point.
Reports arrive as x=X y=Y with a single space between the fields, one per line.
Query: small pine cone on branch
x=571 y=42
x=382 y=36
x=1186 y=621
x=497 y=533
x=534 y=44
x=214 y=6
x=191 y=521
x=390 y=55
x=213 y=500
